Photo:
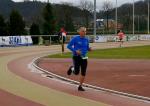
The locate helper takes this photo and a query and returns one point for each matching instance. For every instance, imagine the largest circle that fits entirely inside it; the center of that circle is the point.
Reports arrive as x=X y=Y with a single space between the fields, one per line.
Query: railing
x=55 y=39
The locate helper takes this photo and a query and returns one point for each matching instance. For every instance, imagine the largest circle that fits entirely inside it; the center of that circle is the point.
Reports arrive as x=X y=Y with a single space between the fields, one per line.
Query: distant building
x=100 y=23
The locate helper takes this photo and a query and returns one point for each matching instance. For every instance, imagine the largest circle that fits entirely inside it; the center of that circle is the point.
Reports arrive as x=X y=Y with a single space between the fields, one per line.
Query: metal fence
x=54 y=39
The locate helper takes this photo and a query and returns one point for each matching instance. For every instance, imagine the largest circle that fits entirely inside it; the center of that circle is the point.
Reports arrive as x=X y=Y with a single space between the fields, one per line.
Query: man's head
x=82 y=31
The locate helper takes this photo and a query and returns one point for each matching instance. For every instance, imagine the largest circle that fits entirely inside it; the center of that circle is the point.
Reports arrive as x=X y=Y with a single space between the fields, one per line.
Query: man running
x=79 y=46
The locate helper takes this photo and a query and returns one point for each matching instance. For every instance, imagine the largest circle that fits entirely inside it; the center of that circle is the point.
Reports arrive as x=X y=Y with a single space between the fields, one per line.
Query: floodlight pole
x=148 y=19
x=94 y=17
x=133 y=18
x=116 y=19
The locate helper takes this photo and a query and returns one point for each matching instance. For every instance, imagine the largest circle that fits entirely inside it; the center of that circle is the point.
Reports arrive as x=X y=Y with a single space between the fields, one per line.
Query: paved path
x=16 y=79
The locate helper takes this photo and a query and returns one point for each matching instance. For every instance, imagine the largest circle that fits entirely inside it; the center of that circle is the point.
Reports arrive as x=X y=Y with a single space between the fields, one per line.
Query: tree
x=86 y=7
x=49 y=25
x=107 y=7
x=69 y=26
x=16 y=24
x=125 y=16
x=34 y=29
x=67 y=18
x=3 y=29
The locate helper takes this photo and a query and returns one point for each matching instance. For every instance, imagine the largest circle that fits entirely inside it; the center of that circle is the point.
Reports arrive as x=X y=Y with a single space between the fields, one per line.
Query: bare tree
x=87 y=7
x=107 y=7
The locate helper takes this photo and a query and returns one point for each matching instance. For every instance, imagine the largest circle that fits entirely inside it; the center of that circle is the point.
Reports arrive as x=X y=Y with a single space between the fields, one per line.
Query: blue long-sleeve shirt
x=79 y=43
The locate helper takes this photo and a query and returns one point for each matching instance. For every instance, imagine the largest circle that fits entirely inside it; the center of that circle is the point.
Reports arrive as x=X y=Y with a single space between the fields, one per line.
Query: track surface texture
x=21 y=85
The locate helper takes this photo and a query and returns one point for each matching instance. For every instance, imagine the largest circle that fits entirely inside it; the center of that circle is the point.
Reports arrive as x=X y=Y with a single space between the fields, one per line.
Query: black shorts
x=79 y=63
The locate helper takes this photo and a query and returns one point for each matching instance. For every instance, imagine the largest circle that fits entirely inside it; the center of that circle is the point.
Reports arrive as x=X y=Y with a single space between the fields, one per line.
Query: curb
x=60 y=78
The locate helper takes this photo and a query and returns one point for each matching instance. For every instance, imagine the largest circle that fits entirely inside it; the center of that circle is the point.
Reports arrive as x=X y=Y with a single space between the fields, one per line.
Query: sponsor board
x=15 y=41
x=144 y=37
x=98 y=39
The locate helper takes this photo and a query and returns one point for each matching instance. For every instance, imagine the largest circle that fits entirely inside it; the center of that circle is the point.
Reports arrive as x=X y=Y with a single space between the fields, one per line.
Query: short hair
x=81 y=29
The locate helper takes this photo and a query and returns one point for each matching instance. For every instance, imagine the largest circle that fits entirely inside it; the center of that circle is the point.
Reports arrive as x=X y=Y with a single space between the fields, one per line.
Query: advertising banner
x=100 y=39
x=15 y=40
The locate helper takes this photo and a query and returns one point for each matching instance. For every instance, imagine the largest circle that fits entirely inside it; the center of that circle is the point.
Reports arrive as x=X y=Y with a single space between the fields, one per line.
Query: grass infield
x=140 y=52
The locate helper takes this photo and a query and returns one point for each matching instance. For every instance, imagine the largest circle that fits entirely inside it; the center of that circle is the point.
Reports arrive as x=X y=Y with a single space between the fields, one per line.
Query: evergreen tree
x=67 y=16
x=16 y=23
x=49 y=25
x=3 y=29
x=34 y=30
x=69 y=26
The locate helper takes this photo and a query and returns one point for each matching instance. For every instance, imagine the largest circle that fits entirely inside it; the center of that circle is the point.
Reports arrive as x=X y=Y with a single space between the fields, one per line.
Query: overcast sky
x=76 y=2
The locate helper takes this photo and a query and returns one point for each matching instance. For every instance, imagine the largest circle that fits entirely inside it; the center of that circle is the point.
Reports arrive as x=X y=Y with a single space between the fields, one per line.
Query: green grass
x=140 y=52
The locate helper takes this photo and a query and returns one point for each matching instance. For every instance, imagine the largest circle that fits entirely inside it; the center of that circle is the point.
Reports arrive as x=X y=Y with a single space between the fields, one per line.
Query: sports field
x=139 y=52
x=122 y=69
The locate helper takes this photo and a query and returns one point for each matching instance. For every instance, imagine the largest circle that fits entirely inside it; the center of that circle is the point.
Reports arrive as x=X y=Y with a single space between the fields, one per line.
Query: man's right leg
x=70 y=70
x=76 y=66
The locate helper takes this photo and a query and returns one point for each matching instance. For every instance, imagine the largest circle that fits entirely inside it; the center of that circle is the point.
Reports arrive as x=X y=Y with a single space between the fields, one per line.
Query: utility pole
x=133 y=17
x=148 y=18
x=94 y=17
x=116 y=18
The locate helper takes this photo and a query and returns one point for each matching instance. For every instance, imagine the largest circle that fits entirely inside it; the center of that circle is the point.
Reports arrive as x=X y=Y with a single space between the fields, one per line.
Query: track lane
x=35 y=92
x=44 y=94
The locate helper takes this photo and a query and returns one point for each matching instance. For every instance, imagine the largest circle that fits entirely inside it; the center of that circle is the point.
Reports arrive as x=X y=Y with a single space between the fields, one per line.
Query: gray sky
x=76 y=2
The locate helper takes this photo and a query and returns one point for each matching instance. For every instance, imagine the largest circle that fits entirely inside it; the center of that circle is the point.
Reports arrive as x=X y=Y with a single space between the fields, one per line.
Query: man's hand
x=78 y=52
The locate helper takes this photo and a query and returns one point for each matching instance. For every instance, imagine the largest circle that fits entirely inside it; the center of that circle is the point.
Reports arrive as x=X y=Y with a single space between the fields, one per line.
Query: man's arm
x=71 y=44
x=88 y=47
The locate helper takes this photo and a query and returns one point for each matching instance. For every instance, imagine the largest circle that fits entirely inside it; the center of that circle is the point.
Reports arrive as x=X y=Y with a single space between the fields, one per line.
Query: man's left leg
x=83 y=73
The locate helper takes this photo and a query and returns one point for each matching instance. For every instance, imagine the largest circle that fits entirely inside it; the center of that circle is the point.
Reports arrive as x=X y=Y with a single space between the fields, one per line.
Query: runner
x=79 y=46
